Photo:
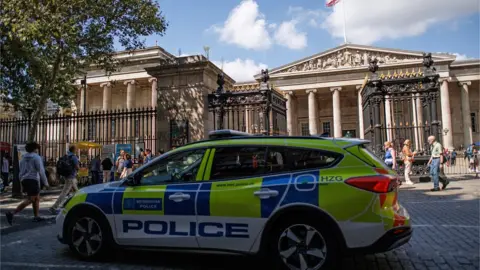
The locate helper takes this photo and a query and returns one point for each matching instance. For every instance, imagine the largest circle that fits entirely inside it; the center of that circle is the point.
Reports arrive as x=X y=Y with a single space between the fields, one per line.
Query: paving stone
x=446 y=236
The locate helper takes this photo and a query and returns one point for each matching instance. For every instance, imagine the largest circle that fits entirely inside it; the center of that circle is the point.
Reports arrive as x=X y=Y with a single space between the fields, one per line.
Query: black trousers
x=95 y=177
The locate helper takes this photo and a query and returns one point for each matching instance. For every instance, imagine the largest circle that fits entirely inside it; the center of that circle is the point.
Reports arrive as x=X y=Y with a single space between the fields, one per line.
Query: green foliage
x=47 y=44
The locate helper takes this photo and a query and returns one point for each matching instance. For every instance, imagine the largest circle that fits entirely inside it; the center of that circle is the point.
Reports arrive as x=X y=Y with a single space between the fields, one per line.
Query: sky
x=247 y=36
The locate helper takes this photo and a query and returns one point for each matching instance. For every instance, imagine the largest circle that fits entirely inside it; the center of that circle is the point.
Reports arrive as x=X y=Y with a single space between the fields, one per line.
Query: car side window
x=304 y=159
x=181 y=167
x=238 y=162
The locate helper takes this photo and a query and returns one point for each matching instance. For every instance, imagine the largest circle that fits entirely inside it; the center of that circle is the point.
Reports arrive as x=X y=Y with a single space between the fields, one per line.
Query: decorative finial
x=265 y=76
x=373 y=67
x=427 y=60
x=220 y=83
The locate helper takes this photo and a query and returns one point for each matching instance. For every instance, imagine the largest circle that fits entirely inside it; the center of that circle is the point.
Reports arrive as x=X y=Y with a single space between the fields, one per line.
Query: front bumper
x=59 y=222
x=392 y=239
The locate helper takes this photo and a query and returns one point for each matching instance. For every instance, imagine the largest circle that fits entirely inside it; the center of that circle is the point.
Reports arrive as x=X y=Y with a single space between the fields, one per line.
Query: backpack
x=65 y=166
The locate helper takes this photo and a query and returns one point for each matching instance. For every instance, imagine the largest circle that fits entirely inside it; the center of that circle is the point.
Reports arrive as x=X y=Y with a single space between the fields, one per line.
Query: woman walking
x=127 y=166
x=408 y=156
x=31 y=173
x=390 y=155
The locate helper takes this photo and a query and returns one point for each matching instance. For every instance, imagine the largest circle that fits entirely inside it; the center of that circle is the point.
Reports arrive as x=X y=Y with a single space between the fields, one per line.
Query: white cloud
x=461 y=56
x=245 y=27
x=241 y=70
x=287 y=35
x=369 y=21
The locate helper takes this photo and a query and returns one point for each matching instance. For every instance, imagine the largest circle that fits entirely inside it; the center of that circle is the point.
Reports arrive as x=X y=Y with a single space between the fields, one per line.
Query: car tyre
x=89 y=236
x=302 y=243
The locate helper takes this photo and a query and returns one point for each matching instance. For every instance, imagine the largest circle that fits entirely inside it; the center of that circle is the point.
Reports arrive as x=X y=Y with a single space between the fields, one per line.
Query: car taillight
x=374 y=183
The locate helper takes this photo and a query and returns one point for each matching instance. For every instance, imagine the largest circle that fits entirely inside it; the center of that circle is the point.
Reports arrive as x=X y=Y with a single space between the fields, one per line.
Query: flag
x=332 y=3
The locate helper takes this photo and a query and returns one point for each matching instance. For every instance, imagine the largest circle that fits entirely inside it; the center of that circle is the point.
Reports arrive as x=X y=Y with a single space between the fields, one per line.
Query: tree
x=47 y=44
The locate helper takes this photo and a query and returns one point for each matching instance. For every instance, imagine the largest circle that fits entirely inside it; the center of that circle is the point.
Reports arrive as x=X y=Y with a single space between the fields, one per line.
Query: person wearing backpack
x=31 y=174
x=470 y=158
x=67 y=167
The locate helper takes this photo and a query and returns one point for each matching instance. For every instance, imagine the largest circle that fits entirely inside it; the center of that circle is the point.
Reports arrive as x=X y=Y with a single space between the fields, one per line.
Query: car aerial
x=299 y=202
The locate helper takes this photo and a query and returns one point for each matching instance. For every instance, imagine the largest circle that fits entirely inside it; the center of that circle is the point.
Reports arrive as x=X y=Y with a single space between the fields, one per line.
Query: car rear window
x=369 y=157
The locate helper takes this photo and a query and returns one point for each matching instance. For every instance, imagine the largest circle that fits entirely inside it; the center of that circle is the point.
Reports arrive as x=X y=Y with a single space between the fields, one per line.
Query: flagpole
x=344 y=23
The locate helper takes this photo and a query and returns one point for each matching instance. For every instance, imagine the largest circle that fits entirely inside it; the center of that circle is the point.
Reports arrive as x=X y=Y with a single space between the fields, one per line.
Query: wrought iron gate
x=259 y=111
x=400 y=106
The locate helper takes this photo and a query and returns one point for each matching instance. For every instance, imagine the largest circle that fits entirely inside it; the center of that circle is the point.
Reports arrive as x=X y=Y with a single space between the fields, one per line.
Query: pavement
x=446 y=236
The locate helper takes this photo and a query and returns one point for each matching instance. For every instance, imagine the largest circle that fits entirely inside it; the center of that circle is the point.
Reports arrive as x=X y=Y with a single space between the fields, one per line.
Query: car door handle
x=179 y=197
x=265 y=193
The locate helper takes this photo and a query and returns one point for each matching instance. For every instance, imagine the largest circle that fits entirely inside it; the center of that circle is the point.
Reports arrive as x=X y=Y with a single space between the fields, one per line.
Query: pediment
x=355 y=56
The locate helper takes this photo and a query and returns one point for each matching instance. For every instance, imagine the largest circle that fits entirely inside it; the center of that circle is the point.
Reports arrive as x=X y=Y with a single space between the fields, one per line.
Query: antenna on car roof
x=226 y=133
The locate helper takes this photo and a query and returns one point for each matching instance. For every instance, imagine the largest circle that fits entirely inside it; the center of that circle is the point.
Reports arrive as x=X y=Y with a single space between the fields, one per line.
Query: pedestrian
x=119 y=162
x=470 y=157
x=454 y=157
x=160 y=152
x=67 y=167
x=127 y=166
x=95 y=170
x=148 y=156
x=436 y=163
x=107 y=165
x=31 y=174
x=140 y=157
x=390 y=156
x=408 y=157
x=5 y=171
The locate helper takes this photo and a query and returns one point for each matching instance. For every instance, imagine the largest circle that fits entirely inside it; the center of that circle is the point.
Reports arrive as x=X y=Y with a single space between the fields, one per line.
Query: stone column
x=107 y=96
x=312 y=111
x=247 y=119
x=130 y=93
x=388 y=118
x=361 y=129
x=337 y=112
x=153 y=81
x=83 y=102
x=467 y=120
x=290 y=113
x=415 y=124
x=130 y=103
x=446 y=114
x=419 y=112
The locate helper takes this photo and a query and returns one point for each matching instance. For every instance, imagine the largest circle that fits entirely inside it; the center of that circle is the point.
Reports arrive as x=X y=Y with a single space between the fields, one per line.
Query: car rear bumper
x=392 y=239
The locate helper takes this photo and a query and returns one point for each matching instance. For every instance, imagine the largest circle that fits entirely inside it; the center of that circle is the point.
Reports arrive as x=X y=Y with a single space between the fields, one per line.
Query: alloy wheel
x=87 y=236
x=302 y=247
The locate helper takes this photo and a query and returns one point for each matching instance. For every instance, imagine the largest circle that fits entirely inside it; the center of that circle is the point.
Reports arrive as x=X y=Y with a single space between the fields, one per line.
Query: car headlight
x=69 y=197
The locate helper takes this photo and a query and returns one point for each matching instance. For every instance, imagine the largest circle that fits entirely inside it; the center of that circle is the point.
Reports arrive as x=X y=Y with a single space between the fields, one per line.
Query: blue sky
x=250 y=35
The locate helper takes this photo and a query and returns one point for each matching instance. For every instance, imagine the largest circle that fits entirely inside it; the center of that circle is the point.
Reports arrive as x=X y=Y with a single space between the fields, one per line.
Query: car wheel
x=89 y=236
x=302 y=244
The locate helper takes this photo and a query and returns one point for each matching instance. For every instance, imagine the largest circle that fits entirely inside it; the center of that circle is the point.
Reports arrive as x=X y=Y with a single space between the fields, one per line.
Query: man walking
x=436 y=163
x=5 y=171
x=95 y=170
x=31 y=173
x=67 y=167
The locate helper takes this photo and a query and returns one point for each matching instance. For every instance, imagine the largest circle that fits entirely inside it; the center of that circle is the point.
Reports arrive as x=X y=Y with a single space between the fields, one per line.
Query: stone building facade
x=323 y=91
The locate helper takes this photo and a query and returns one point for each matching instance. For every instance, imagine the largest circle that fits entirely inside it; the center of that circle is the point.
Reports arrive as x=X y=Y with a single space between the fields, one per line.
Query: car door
x=160 y=210
x=234 y=201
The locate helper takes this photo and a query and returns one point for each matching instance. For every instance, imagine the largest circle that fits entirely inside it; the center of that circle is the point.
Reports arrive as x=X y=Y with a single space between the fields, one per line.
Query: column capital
x=132 y=82
x=333 y=89
x=153 y=79
x=311 y=91
x=107 y=84
x=445 y=79
x=468 y=83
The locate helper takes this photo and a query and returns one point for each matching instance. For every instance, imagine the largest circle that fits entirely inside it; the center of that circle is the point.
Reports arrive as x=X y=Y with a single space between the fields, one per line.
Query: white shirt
x=5 y=165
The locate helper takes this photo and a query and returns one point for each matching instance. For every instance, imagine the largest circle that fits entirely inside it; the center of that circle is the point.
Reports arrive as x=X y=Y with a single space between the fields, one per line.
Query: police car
x=301 y=202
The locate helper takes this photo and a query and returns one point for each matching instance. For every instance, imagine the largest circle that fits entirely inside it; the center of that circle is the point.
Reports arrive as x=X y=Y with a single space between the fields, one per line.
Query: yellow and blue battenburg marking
x=220 y=198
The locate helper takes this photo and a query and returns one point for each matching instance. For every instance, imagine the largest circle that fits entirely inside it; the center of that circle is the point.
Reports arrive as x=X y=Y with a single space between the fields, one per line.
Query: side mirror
x=188 y=177
x=136 y=179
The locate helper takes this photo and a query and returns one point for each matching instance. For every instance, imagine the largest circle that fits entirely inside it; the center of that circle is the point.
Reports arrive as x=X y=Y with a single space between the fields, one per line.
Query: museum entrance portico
x=324 y=91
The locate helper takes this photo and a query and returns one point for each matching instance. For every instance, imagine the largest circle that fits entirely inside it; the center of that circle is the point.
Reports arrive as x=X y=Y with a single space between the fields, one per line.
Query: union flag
x=331 y=3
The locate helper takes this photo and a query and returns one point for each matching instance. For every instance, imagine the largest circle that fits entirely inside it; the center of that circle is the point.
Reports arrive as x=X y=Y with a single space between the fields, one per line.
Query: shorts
x=31 y=187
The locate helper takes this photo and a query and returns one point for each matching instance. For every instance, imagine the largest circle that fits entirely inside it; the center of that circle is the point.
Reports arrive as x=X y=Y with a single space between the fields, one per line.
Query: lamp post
x=84 y=85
